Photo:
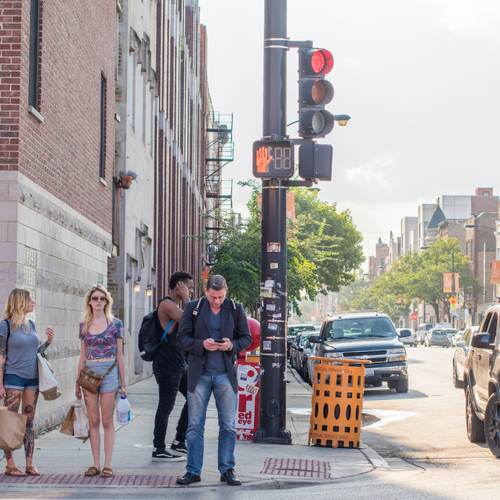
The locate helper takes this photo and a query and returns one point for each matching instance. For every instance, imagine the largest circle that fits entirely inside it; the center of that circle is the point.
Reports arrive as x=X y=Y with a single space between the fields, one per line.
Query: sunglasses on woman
x=100 y=299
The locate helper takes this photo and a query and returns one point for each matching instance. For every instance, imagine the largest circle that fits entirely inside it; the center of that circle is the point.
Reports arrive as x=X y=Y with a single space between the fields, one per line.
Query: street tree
x=420 y=276
x=324 y=250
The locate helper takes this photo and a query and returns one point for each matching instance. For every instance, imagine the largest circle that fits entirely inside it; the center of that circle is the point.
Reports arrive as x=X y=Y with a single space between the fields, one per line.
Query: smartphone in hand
x=219 y=341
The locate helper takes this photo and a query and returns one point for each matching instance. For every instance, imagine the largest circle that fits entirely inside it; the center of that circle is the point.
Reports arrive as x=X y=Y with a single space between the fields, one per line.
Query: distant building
x=481 y=248
x=377 y=264
x=409 y=235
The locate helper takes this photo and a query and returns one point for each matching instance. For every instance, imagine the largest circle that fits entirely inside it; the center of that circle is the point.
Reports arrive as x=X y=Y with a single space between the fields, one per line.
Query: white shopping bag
x=47 y=382
x=81 y=423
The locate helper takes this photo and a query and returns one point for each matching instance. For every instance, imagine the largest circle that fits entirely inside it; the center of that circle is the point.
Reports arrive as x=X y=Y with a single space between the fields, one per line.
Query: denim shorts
x=11 y=381
x=110 y=381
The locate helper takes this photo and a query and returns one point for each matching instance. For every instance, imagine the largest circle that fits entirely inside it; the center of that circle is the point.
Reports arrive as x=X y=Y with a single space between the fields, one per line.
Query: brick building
x=57 y=68
x=184 y=105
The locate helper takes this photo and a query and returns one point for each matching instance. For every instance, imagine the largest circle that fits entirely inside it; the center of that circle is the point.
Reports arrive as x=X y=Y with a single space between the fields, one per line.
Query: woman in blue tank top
x=19 y=344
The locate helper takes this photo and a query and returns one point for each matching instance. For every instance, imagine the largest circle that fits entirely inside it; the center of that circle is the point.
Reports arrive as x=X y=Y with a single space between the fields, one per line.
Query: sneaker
x=162 y=455
x=179 y=447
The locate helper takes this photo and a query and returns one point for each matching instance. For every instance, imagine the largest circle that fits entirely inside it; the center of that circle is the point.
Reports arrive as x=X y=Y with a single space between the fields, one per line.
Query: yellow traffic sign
x=453 y=300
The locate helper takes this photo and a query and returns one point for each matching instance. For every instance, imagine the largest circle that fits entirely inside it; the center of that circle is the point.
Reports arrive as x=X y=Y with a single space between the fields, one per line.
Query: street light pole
x=272 y=397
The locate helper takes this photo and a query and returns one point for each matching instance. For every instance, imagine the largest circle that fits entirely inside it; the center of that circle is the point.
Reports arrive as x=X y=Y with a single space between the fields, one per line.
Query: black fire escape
x=219 y=193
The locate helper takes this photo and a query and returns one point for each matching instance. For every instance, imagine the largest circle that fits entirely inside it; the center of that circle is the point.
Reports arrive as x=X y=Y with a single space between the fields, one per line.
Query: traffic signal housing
x=315 y=161
x=314 y=93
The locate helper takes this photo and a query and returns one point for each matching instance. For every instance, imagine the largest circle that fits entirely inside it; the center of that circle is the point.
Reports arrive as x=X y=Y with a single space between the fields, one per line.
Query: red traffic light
x=315 y=62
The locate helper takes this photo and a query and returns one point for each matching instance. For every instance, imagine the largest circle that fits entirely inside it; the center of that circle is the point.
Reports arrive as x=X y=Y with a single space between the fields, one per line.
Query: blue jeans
x=226 y=402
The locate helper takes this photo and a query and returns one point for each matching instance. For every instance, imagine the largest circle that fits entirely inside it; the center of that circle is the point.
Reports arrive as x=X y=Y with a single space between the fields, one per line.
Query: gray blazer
x=191 y=339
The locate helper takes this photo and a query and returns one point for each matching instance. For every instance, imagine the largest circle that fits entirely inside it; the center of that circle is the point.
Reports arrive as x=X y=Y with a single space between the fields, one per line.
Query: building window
x=102 y=152
x=131 y=89
x=34 y=54
x=143 y=108
x=152 y=121
x=30 y=266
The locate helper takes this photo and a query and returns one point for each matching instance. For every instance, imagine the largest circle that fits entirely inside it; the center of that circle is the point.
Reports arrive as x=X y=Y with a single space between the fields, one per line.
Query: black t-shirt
x=170 y=357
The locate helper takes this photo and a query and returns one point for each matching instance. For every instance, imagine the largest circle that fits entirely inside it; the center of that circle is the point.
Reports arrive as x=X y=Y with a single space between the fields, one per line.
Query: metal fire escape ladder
x=219 y=193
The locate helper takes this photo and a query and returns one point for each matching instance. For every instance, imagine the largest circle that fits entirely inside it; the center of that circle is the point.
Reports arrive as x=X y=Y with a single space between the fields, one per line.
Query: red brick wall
x=77 y=46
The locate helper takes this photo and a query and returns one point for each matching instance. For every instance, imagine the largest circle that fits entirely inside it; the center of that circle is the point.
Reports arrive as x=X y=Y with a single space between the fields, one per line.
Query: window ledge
x=36 y=114
x=102 y=181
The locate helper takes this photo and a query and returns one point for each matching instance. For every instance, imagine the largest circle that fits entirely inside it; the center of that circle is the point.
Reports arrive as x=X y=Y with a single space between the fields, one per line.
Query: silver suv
x=367 y=335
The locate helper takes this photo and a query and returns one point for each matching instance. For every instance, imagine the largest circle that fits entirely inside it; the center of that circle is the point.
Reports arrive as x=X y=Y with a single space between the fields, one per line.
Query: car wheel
x=305 y=375
x=401 y=386
x=457 y=383
x=475 y=426
x=492 y=425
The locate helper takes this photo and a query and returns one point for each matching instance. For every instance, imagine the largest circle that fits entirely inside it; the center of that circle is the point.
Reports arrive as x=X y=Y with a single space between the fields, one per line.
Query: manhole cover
x=296 y=467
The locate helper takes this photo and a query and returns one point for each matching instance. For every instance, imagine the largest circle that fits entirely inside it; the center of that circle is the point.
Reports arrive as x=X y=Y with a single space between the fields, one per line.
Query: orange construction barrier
x=337 y=402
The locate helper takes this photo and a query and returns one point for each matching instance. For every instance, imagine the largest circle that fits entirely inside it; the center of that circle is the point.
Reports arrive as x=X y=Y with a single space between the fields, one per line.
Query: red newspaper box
x=247 y=415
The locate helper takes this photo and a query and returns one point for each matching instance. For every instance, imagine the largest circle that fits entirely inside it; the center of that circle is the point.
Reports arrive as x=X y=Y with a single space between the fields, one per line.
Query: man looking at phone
x=213 y=331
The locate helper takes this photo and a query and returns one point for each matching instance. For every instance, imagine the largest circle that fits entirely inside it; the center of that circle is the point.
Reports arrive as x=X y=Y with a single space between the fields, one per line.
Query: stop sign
x=413 y=316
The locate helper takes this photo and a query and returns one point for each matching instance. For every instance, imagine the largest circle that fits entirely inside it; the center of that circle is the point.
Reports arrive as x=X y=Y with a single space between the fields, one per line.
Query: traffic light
x=315 y=161
x=314 y=93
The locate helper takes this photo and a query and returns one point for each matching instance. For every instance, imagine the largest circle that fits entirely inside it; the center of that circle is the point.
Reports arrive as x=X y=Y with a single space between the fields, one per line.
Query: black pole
x=272 y=405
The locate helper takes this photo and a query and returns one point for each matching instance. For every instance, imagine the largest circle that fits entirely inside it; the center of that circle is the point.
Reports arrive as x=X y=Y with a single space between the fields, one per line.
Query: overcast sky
x=420 y=79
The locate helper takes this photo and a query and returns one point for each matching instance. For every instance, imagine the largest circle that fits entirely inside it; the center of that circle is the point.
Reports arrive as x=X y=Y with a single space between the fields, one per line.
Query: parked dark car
x=292 y=331
x=481 y=383
x=303 y=356
x=437 y=337
x=460 y=356
x=370 y=336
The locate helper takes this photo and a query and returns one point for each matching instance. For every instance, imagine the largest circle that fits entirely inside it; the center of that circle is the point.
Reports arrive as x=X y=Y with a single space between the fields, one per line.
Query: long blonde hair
x=88 y=314
x=16 y=305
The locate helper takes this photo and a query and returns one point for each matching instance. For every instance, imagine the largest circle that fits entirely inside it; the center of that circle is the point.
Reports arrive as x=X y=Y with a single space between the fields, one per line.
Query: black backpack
x=148 y=335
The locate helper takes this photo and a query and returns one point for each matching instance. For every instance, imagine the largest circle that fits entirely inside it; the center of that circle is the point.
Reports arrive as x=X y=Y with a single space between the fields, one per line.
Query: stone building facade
x=132 y=275
x=57 y=68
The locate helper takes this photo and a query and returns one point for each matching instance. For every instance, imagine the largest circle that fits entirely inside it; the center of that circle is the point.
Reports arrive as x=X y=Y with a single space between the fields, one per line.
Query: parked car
x=458 y=336
x=369 y=336
x=460 y=355
x=294 y=349
x=482 y=383
x=437 y=337
x=423 y=328
x=411 y=339
x=303 y=356
x=292 y=331
x=451 y=332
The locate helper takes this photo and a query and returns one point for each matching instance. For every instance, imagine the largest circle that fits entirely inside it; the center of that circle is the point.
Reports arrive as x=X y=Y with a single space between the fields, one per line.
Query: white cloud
x=377 y=173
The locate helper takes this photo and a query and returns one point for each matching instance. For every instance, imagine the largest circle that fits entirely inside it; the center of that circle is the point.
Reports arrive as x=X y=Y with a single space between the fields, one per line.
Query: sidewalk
x=63 y=459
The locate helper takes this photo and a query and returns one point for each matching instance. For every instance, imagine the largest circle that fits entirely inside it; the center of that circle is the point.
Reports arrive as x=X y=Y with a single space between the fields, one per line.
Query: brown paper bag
x=67 y=426
x=12 y=429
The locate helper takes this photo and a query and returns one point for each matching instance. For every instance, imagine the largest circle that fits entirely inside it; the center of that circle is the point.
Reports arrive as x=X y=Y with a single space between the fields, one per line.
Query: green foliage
x=323 y=250
x=418 y=276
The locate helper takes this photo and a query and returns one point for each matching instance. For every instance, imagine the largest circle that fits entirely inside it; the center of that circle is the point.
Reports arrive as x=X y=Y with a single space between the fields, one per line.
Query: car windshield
x=304 y=338
x=343 y=329
x=438 y=332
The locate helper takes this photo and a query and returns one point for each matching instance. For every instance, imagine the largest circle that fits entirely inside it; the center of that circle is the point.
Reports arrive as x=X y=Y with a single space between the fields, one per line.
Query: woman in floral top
x=102 y=342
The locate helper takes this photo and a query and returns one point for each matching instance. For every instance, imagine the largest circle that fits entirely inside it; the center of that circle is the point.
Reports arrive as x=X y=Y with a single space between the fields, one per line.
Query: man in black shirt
x=169 y=367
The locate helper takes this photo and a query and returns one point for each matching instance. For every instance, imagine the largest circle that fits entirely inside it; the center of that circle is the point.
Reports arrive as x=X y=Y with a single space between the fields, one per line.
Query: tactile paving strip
x=97 y=481
x=296 y=467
